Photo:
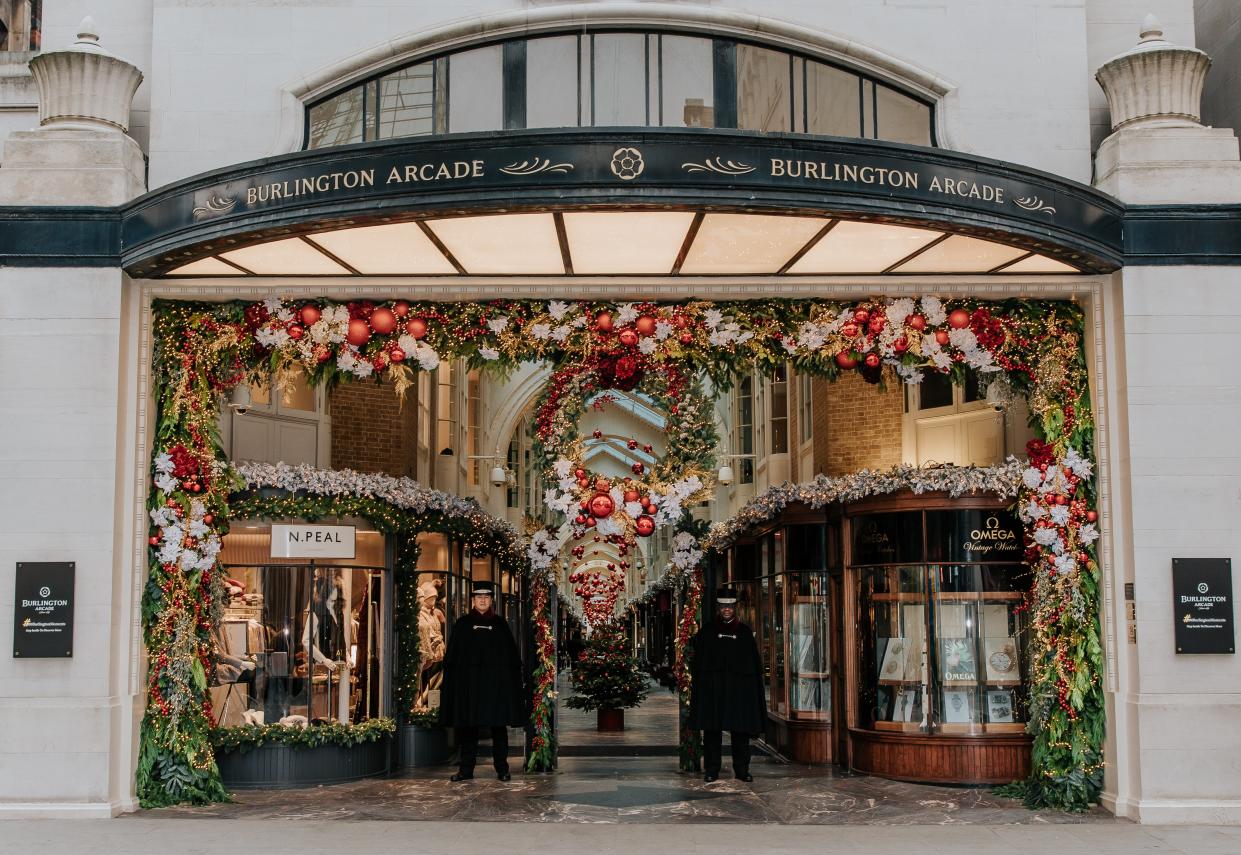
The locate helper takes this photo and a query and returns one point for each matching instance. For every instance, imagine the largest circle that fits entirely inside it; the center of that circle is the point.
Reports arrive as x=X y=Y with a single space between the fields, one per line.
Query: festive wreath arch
x=203 y=350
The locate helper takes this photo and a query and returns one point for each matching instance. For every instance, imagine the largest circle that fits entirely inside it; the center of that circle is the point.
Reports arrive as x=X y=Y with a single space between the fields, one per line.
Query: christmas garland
x=249 y=736
x=203 y=350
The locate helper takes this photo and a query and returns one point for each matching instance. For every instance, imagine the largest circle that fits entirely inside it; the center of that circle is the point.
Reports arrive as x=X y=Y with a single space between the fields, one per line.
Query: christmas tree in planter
x=607 y=678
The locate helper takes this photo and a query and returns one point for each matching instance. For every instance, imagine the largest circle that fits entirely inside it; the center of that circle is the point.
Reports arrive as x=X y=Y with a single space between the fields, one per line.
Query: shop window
x=618 y=80
x=899 y=118
x=686 y=93
x=764 y=89
x=778 y=411
x=445 y=410
x=20 y=25
x=512 y=498
x=832 y=101
x=942 y=644
x=337 y=121
x=473 y=424
x=411 y=101
x=805 y=407
x=947 y=422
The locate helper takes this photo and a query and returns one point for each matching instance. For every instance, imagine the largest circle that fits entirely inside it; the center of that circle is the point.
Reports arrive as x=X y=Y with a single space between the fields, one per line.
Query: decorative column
x=1159 y=151
x=80 y=154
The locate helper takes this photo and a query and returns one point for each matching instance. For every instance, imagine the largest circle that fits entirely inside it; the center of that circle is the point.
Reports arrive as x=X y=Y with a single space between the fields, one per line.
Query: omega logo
x=993 y=531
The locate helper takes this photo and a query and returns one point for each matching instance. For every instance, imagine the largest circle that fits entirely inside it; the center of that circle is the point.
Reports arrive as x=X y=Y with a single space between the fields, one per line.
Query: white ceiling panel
x=748 y=243
x=395 y=248
x=504 y=244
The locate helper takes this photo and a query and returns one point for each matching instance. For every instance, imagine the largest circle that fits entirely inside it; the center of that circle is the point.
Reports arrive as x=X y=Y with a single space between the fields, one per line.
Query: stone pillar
x=1159 y=151
x=80 y=153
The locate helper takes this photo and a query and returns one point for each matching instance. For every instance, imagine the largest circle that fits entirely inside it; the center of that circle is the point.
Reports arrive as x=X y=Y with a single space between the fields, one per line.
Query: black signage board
x=892 y=538
x=717 y=170
x=974 y=535
x=1202 y=605
x=43 y=610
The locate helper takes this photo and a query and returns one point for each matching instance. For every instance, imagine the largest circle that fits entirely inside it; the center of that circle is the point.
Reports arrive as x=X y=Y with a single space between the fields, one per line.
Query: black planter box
x=278 y=766
x=421 y=746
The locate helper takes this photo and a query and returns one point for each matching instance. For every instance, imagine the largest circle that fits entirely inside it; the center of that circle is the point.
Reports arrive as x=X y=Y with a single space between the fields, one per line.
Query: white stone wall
x=1176 y=727
x=65 y=724
x=1021 y=68
x=1218 y=26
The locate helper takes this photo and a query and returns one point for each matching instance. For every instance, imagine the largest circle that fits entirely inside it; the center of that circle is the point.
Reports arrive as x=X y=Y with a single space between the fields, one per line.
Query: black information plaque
x=1202 y=604
x=43 y=610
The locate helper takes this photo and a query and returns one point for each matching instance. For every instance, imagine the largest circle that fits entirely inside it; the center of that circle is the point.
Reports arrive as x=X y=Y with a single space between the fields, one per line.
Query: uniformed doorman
x=727 y=689
x=482 y=684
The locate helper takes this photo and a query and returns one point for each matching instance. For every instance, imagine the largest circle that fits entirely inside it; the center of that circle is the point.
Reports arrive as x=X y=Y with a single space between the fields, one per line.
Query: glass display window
x=809 y=664
x=943 y=645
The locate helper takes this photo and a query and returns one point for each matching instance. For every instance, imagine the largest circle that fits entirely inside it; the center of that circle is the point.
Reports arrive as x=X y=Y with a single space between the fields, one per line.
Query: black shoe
x=710 y=778
x=744 y=776
x=504 y=776
x=462 y=776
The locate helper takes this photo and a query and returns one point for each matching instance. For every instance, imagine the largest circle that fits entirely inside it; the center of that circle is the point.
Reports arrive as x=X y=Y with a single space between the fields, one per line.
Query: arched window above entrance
x=610 y=78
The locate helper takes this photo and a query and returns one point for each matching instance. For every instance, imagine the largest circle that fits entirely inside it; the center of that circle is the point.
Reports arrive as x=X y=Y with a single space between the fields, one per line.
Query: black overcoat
x=482 y=675
x=727 y=688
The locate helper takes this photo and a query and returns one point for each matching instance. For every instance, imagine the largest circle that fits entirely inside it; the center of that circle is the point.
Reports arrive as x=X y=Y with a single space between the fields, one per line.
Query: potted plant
x=422 y=740
x=607 y=679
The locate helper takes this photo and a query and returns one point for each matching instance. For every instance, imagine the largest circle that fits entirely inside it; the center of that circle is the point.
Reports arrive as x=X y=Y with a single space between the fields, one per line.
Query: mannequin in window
x=323 y=634
x=431 y=624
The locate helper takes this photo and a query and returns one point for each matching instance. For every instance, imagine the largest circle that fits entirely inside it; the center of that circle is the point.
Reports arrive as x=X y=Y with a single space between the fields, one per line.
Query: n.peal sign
x=43 y=610
x=312 y=541
x=1202 y=604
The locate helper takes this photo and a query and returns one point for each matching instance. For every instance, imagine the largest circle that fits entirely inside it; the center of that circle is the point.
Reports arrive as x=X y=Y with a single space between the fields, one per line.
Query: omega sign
x=312 y=541
x=994 y=540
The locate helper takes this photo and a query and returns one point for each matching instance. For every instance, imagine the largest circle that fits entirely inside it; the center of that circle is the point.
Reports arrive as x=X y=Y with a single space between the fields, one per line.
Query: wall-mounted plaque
x=974 y=535
x=43 y=610
x=312 y=541
x=888 y=538
x=1202 y=604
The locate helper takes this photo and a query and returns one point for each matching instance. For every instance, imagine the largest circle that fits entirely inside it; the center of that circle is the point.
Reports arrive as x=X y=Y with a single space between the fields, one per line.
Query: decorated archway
x=672 y=353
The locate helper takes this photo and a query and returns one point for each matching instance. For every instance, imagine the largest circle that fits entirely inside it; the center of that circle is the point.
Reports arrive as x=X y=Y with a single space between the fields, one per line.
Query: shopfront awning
x=641 y=203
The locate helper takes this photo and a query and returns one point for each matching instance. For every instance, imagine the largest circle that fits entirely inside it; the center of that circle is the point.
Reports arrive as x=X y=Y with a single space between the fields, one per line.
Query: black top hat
x=481 y=589
x=726 y=596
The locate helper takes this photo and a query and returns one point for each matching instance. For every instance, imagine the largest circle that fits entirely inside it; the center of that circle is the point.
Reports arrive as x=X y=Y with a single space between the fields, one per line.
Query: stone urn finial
x=84 y=86
x=1155 y=83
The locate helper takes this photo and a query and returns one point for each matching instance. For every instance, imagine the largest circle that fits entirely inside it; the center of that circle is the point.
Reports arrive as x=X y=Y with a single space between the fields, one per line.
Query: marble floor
x=637 y=790
x=650 y=730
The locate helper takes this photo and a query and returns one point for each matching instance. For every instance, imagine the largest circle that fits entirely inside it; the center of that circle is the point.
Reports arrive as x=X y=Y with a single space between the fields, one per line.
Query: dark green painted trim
x=1183 y=234
x=60 y=237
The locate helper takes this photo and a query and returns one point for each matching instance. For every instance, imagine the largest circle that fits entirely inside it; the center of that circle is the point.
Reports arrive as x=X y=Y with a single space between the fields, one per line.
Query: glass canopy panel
x=1039 y=264
x=626 y=242
x=206 y=267
x=853 y=247
x=748 y=243
x=292 y=256
x=388 y=249
x=505 y=244
x=961 y=254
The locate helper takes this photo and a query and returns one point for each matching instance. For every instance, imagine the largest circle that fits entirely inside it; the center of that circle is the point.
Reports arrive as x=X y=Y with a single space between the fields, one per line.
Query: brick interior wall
x=371 y=432
x=856 y=425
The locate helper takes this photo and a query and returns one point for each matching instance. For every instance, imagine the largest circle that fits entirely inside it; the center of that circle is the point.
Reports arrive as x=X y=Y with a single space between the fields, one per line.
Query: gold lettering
x=935 y=185
x=777 y=167
x=251 y=195
x=321 y=184
x=850 y=173
x=478 y=169
x=812 y=170
x=368 y=178
x=426 y=172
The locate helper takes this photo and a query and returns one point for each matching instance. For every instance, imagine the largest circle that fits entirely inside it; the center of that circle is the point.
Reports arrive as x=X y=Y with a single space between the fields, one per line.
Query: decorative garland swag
x=203 y=350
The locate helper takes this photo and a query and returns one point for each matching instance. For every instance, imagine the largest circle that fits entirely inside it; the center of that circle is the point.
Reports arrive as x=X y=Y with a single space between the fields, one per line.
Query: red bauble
x=628 y=337
x=603 y=322
x=1061 y=500
x=583 y=483
x=647 y=448
x=916 y=322
x=417 y=327
x=849 y=330
x=383 y=320
x=580 y=520
x=359 y=332
x=597 y=434
x=872 y=360
x=153 y=540
x=645 y=325
x=1091 y=516
x=941 y=337
x=579 y=473
x=401 y=307
x=631 y=496
x=296 y=331
x=310 y=314
x=686 y=338
x=680 y=321
x=901 y=344
x=633 y=443
x=584 y=504
x=208 y=519
x=876 y=324
x=322 y=354
x=645 y=526
x=611 y=566
x=590 y=521
x=958 y=319
x=638 y=468
x=861 y=316
x=602 y=485
x=845 y=359
x=396 y=354
x=602 y=505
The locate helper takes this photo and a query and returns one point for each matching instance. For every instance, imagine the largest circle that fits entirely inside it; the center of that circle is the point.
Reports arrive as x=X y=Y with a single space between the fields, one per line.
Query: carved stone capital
x=1156 y=83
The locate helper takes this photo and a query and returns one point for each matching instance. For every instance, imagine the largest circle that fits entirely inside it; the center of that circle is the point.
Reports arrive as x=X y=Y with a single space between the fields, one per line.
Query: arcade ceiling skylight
x=630 y=243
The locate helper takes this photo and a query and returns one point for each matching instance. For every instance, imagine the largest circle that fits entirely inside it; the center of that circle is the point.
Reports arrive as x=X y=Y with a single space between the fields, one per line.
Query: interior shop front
x=892 y=633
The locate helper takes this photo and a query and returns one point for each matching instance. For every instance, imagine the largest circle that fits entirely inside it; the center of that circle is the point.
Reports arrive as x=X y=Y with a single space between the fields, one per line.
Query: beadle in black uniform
x=482 y=684
x=727 y=688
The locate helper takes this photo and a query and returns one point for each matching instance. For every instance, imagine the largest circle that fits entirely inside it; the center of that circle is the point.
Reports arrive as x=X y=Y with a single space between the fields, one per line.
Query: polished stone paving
x=650 y=729
x=639 y=790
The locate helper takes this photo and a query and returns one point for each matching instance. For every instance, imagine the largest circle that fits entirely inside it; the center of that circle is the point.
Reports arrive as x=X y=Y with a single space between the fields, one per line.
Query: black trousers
x=712 y=749
x=467 y=741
